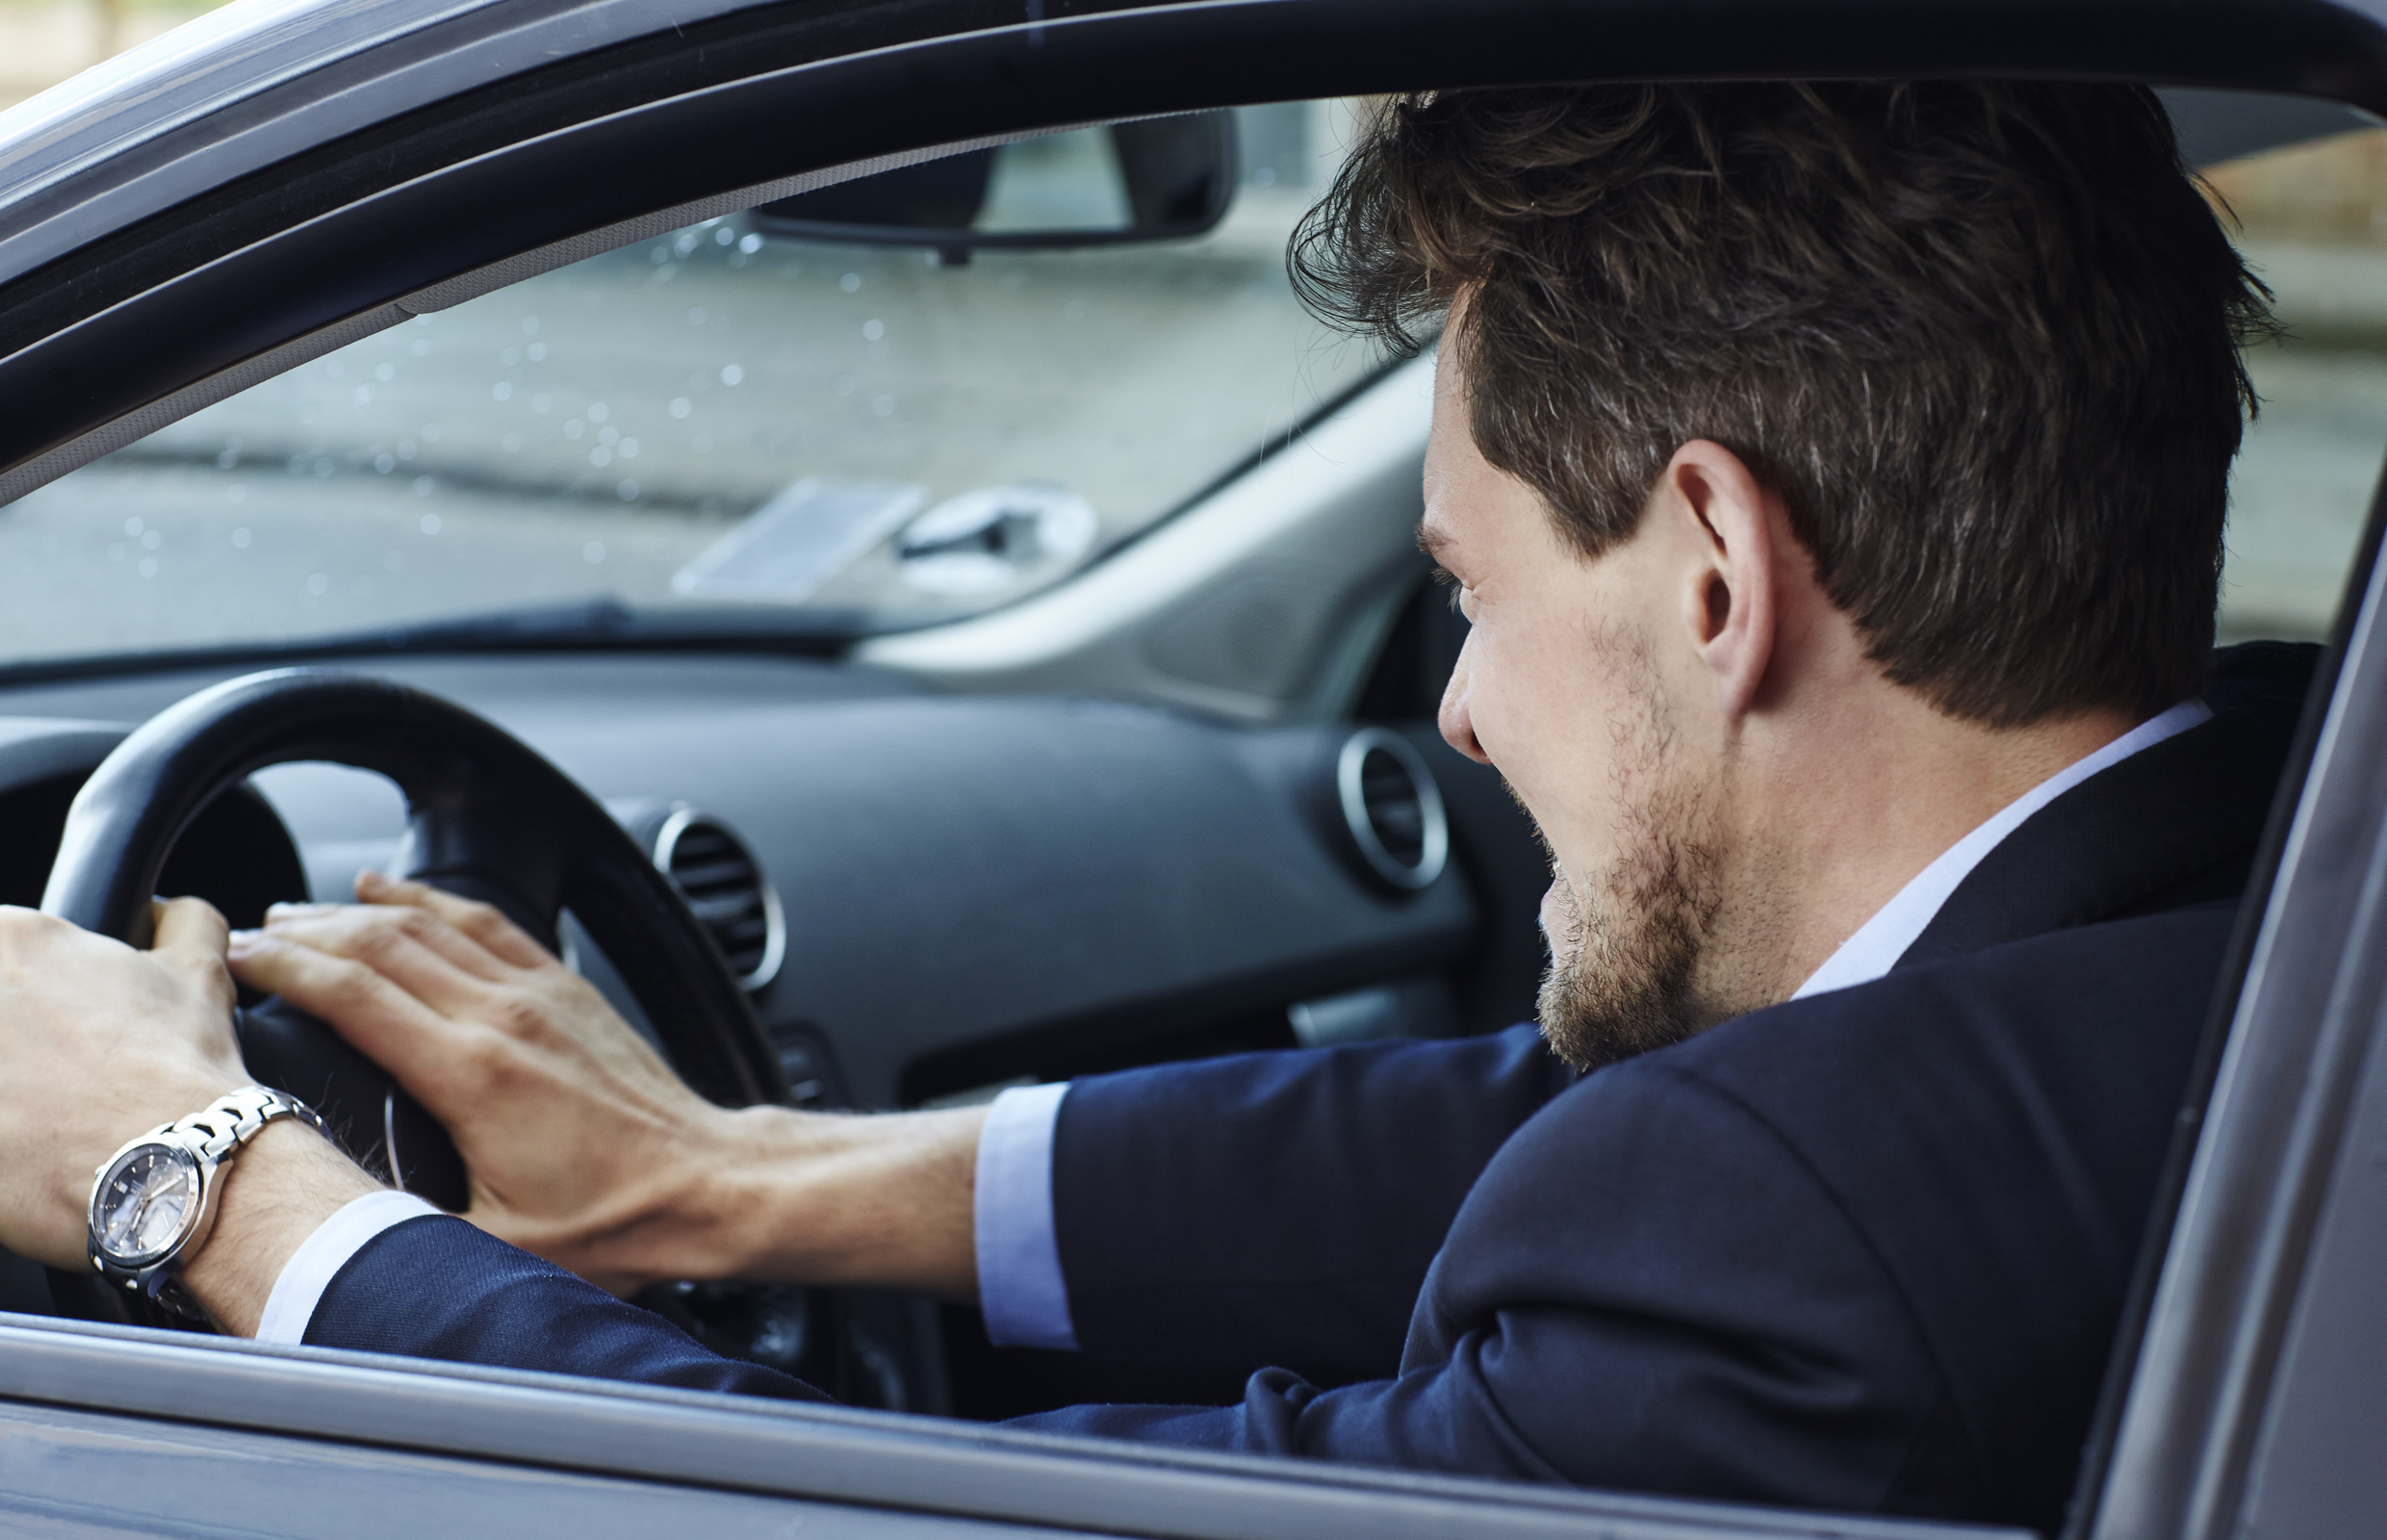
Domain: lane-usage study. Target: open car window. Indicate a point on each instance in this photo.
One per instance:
(735, 423)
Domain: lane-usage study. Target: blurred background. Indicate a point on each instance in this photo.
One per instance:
(44, 41)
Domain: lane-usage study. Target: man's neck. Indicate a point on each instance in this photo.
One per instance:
(1834, 814)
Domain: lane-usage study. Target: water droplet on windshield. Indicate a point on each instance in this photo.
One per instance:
(385, 371)
(731, 375)
(430, 524)
(681, 407)
(628, 491)
(883, 405)
(530, 325)
(593, 552)
(536, 351)
(850, 282)
(873, 331)
(501, 391)
(385, 463)
(596, 411)
(750, 244)
(319, 583)
(133, 526)
(240, 539)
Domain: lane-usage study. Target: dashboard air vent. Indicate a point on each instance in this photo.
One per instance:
(727, 890)
(1392, 807)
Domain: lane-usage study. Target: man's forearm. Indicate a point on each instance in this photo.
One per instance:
(805, 1197)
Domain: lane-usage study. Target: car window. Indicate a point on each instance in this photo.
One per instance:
(2312, 221)
(725, 423)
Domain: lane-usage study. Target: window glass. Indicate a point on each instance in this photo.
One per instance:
(2313, 226)
(737, 424)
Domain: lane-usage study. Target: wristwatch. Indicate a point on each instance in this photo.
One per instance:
(154, 1201)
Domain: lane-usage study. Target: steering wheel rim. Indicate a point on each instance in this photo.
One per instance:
(487, 816)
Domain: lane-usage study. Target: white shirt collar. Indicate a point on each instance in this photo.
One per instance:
(1879, 942)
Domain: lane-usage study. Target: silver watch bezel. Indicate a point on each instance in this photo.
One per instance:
(135, 1267)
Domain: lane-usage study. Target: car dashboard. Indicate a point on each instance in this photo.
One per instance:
(932, 896)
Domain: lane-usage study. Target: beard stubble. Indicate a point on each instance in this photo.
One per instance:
(1626, 965)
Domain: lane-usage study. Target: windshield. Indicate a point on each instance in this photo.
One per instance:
(732, 425)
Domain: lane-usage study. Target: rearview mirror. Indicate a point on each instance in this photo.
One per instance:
(1157, 179)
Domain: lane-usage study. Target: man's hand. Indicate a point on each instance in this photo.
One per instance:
(581, 1145)
(99, 1043)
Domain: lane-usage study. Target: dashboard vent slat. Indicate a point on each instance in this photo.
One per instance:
(726, 889)
(1392, 808)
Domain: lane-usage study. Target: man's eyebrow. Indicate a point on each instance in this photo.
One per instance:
(1433, 540)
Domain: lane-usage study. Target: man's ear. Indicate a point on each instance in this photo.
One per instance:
(1725, 517)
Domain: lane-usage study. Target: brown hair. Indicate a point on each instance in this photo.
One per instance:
(1981, 338)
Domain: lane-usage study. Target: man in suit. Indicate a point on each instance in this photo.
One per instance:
(1835, 480)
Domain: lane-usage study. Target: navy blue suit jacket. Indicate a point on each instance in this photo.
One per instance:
(1864, 1251)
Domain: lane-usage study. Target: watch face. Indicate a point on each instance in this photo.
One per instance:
(147, 1200)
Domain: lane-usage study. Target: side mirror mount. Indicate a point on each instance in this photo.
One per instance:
(1155, 179)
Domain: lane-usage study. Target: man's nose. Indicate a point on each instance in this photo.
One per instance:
(1458, 727)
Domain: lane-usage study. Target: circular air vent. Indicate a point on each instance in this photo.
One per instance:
(1392, 807)
(727, 892)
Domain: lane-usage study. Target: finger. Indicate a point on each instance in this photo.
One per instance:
(189, 936)
(362, 931)
(380, 1020)
(482, 922)
(389, 945)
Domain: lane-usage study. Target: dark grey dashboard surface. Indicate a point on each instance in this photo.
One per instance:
(976, 888)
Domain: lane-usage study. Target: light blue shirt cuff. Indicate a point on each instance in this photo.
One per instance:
(1019, 1284)
(291, 1307)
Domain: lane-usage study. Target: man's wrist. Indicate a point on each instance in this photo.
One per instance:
(282, 1185)
(881, 1199)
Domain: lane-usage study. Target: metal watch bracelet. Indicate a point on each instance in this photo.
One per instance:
(213, 1135)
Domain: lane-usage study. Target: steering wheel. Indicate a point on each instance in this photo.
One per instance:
(487, 818)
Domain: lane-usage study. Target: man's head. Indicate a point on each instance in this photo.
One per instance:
(1774, 413)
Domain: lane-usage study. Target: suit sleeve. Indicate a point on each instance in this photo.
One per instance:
(1648, 1290)
(1278, 1208)
(435, 1287)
